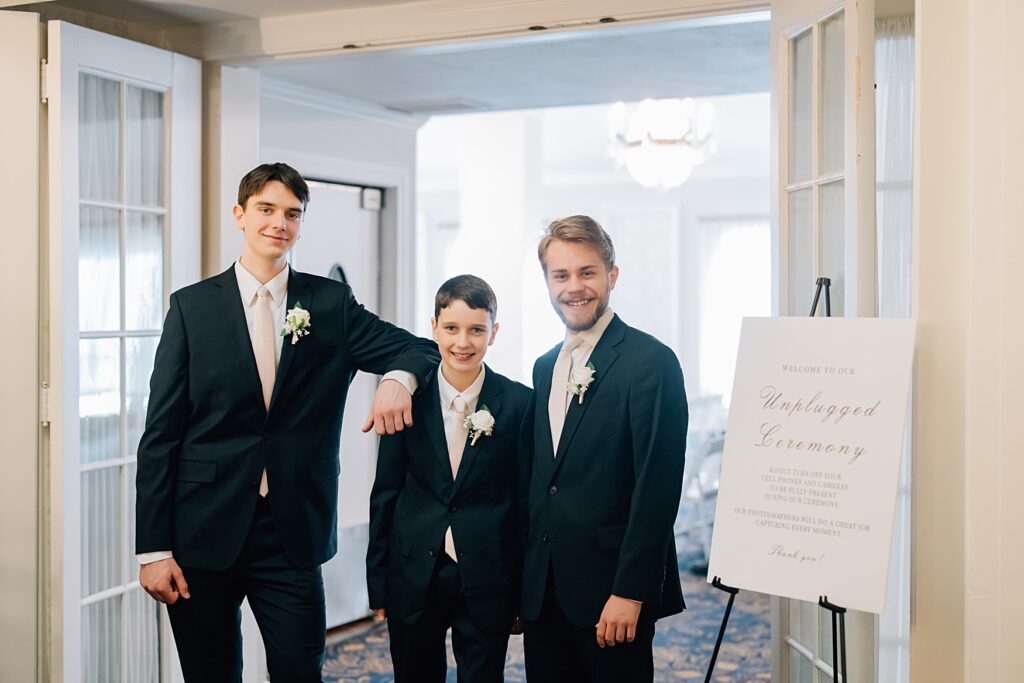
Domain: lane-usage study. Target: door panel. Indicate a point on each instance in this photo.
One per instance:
(822, 70)
(340, 239)
(123, 233)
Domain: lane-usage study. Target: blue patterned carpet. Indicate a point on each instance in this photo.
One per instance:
(682, 644)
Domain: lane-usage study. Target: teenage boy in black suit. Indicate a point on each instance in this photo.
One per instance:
(237, 484)
(610, 431)
(445, 517)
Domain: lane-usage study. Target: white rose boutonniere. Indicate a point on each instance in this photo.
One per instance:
(296, 323)
(580, 379)
(479, 423)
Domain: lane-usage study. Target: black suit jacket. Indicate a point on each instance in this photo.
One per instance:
(414, 501)
(208, 435)
(601, 512)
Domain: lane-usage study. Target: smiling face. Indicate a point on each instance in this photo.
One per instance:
(270, 221)
(579, 283)
(462, 335)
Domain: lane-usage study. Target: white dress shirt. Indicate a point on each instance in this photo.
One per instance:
(587, 340)
(248, 286)
(448, 394)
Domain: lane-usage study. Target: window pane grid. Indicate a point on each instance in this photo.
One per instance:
(806, 123)
(122, 170)
(814, 198)
(140, 208)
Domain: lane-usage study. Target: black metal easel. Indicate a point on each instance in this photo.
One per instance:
(838, 613)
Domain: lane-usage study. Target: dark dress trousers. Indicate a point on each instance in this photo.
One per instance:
(415, 500)
(208, 438)
(601, 511)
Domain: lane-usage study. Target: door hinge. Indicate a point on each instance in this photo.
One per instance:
(43, 82)
(44, 404)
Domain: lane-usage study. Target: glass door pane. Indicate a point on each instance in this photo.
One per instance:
(801, 252)
(831, 249)
(121, 275)
(832, 114)
(801, 105)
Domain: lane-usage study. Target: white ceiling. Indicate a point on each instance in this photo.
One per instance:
(698, 58)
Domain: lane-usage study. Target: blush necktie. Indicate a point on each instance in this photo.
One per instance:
(558, 399)
(456, 445)
(263, 346)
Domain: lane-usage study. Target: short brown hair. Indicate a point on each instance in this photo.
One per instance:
(257, 178)
(471, 290)
(579, 229)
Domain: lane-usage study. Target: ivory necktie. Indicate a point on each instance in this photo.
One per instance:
(456, 444)
(558, 399)
(263, 346)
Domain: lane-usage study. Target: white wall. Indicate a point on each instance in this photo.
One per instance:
(19, 359)
(509, 174)
(968, 548)
(306, 129)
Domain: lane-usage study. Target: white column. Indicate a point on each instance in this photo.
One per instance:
(231, 104)
(499, 222)
(967, 547)
(19, 363)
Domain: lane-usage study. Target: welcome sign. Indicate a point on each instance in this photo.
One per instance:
(811, 462)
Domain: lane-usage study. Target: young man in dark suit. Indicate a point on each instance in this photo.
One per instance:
(237, 481)
(610, 433)
(445, 511)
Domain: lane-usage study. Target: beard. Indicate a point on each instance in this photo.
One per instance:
(579, 324)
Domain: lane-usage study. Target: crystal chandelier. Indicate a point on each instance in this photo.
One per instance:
(660, 141)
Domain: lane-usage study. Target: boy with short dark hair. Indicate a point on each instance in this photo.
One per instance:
(445, 542)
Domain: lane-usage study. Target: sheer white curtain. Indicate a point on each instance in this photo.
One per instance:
(894, 118)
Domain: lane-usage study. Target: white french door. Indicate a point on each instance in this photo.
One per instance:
(124, 221)
(824, 149)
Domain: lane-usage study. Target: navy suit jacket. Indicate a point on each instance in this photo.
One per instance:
(601, 512)
(414, 500)
(209, 436)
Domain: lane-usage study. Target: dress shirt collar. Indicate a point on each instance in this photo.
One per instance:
(591, 336)
(248, 285)
(470, 395)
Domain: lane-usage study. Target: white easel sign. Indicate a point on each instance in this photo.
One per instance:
(811, 461)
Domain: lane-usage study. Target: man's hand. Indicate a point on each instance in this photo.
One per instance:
(517, 626)
(392, 408)
(164, 581)
(379, 615)
(618, 622)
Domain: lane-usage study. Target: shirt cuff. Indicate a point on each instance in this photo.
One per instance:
(403, 377)
(156, 556)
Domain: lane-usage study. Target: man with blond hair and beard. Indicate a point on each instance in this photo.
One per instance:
(609, 442)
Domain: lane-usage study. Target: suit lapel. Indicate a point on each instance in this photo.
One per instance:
(299, 291)
(430, 413)
(603, 358)
(490, 396)
(542, 422)
(229, 301)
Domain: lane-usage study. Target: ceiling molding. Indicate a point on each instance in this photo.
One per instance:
(431, 22)
(348, 107)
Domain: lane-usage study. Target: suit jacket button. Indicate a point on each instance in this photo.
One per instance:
(452, 508)
(544, 538)
(553, 490)
(432, 552)
(266, 437)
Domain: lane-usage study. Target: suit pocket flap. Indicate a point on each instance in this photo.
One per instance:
(322, 470)
(199, 471)
(610, 536)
